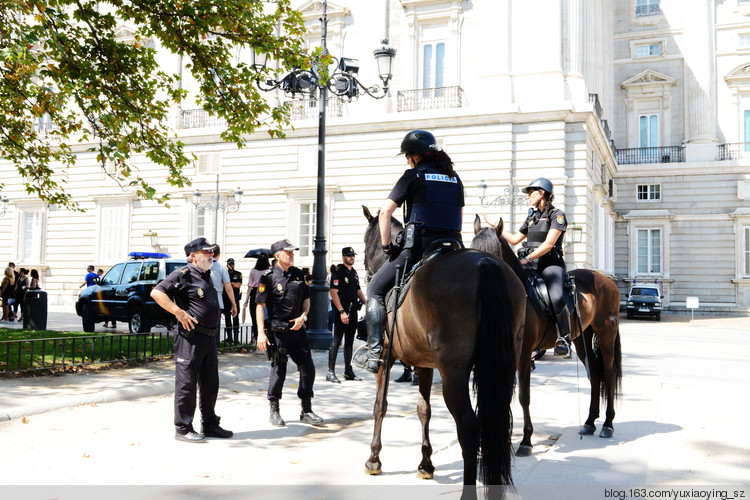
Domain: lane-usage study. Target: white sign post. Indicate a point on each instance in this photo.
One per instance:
(692, 303)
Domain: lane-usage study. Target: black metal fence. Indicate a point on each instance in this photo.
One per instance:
(62, 352)
(666, 154)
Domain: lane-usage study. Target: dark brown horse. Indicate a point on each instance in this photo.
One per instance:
(599, 305)
(464, 311)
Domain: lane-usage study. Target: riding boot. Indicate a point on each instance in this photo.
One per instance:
(333, 353)
(331, 377)
(562, 347)
(307, 415)
(406, 376)
(275, 417)
(375, 319)
(348, 372)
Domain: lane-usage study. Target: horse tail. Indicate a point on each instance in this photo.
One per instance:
(597, 363)
(494, 374)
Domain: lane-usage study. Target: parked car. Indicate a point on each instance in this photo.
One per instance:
(644, 299)
(124, 293)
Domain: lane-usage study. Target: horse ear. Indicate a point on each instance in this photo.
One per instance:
(499, 228)
(367, 213)
(477, 224)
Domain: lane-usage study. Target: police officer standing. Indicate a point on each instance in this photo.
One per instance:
(282, 289)
(345, 291)
(232, 323)
(190, 296)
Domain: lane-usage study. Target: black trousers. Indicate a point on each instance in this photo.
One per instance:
(553, 277)
(345, 332)
(297, 344)
(196, 364)
(251, 312)
(232, 324)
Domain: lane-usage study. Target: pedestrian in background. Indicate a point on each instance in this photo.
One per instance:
(190, 296)
(231, 319)
(22, 284)
(221, 282)
(88, 280)
(7, 293)
(347, 298)
(252, 289)
(283, 290)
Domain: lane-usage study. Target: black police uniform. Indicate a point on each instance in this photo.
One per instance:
(552, 264)
(194, 351)
(232, 323)
(346, 282)
(435, 200)
(283, 293)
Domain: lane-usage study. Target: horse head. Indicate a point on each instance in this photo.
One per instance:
(374, 255)
(491, 240)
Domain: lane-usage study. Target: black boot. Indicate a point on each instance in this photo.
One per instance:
(307, 416)
(331, 377)
(275, 417)
(348, 372)
(406, 376)
(562, 347)
(375, 319)
(333, 353)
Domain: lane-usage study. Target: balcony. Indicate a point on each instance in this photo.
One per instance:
(666, 154)
(647, 10)
(734, 151)
(424, 99)
(309, 108)
(199, 118)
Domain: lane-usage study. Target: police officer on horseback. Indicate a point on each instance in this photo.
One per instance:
(433, 195)
(544, 229)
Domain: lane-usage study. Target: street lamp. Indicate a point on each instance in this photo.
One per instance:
(3, 205)
(151, 239)
(511, 197)
(217, 205)
(342, 83)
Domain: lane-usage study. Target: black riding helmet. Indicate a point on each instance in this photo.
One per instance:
(539, 183)
(419, 142)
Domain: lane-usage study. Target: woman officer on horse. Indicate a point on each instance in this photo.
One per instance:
(544, 229)
(434, 197)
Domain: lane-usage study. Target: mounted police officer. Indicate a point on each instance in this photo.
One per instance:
(544, 230)
(283, 290)
(433, 195)
(190, 296)
(347, 297)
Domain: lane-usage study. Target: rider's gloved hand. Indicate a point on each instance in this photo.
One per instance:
(388, 248)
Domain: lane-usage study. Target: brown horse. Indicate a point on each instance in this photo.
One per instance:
(464, 311)
(599, 305)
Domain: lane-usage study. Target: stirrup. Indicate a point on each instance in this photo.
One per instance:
(562, 347)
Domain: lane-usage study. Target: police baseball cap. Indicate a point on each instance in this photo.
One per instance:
(282, 245)
(198, 245)
(348, 252)
(230, 261)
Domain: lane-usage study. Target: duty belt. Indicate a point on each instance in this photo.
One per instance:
(203, 330)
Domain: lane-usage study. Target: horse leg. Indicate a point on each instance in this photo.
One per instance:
(373, 466)
(456, 396)
(524, 398)
(589, 426)
(425, 470)
(610, 354)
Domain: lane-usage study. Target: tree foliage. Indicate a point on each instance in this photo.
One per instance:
(66, 78)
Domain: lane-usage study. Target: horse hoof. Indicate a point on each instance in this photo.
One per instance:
(587, 430)
(523, 451)
(423, 474)
(373, 469)
(606, 432)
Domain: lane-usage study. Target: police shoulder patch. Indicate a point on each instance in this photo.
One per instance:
(261, 288)
(560, 219)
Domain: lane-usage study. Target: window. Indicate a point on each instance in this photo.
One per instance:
(113, 233)
(433, 63)
(649, 251)
(744, 41)
(743, 2)
(746, 129)
(648, 130)
(208, 163)
(30, 241)
(649, 192)
(113, 275)
(132, 270)
(746, 251)
(648, 49)
(307, 217)
(206, 223)
(645, 8)
(149, 271)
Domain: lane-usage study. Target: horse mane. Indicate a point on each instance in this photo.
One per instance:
(374, 255)
(491, 241)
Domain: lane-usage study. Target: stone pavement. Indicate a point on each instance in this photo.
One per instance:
(680, 423)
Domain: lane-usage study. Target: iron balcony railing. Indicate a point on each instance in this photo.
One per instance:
(59, 353)
(424, 99)
(309, 108)
(199, 118)
(666, 154)
(597, 105)
(734, 151)
(653, 9)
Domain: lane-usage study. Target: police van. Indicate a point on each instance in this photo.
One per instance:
(644, 299)
(124, 293)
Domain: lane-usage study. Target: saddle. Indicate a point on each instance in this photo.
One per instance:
(435, 250)
(536, 290)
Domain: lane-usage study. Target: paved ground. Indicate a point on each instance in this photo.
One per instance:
(681, 423)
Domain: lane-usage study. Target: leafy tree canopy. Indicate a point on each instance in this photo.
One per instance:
(65, 78)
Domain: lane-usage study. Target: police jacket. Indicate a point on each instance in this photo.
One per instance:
(536, 227)
(346, 281)
(193, 291)
(431, 197)
(283, 292)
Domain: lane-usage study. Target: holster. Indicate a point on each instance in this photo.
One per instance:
(412, 234)
(280, 326)
(274, 353)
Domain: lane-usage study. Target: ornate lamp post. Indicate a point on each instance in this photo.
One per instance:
(343, 83)
(511, 198)
(217, 205)
(3, 205)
